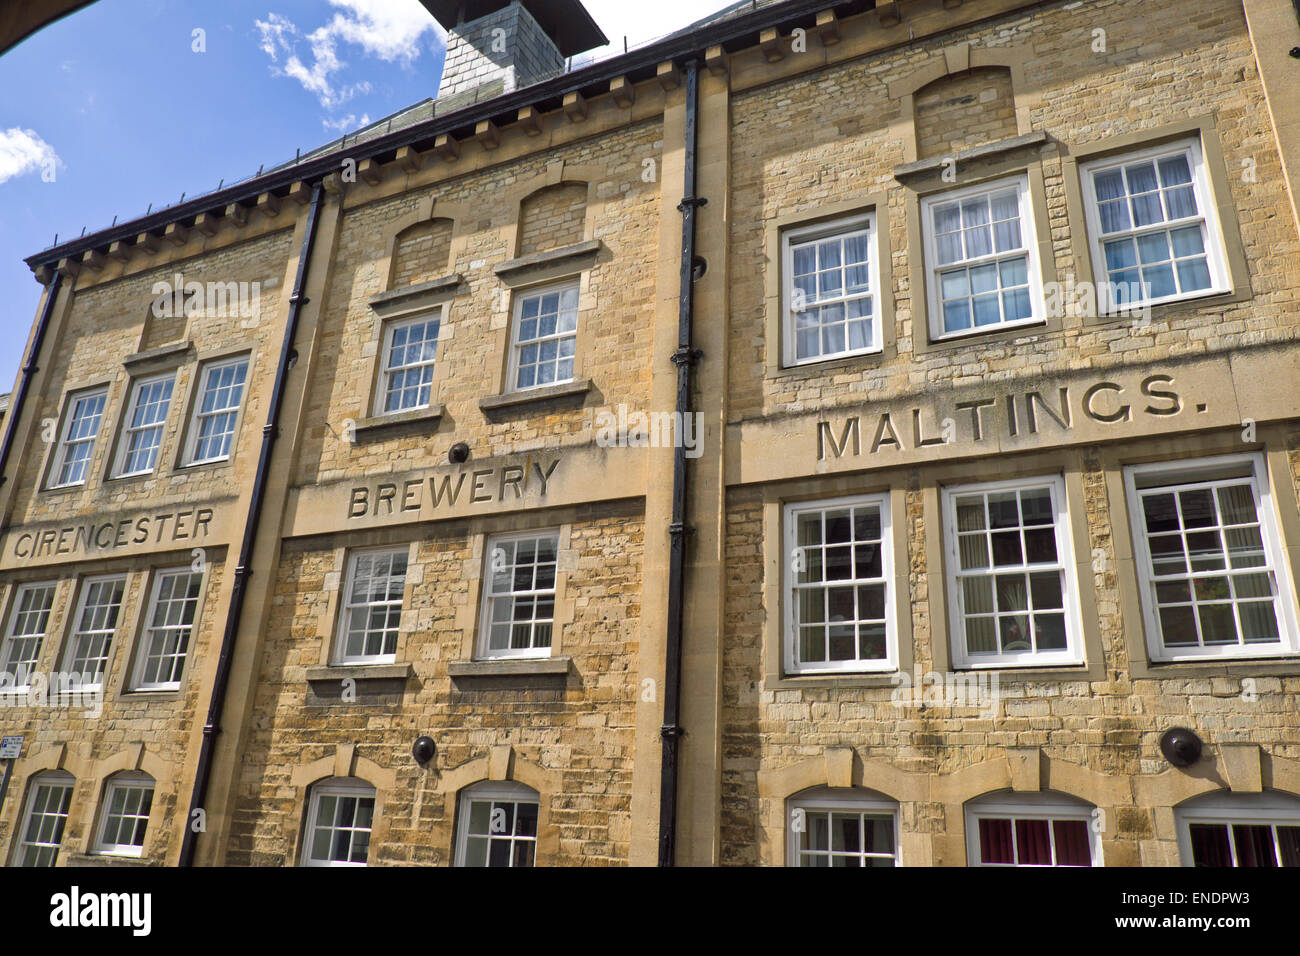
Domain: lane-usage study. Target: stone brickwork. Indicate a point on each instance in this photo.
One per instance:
(963, 111)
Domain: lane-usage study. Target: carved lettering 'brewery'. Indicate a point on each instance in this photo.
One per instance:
(447, 491)
(1011, 416)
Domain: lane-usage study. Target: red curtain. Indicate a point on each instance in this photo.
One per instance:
(1034, 842)
(1072, 848)
(995, 841)
(1210, 844)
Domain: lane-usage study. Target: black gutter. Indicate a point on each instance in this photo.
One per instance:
(29, 370)
(735, 34)
(684, 358)
(270, 431)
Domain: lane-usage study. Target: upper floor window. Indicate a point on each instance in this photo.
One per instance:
(95, 623)
(831, 290)
(46, 815)
(839, 586)
(983, 261)
(372, 607)
(168, 628)
(1031, 829)
(1210, 562)
(338, 828)
(1240, 830)
(498, 826)
(410, 348)
(143, 432)
(220, 393)
(838, 828)
(545, 336)
(1155, 237)
(1010, 576)
(128, 800)
(29, 619)
(80, 428)
(519, 595)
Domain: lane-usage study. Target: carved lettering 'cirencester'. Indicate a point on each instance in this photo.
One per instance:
(95, 538)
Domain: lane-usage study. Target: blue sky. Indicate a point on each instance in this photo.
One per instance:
(118, 109)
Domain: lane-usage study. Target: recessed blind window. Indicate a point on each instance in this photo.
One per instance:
(95, 624)
(409, 352)
(220, 396)
(546, 336)
(520, 595)
(47, 815)
(28, 622)
(830, 294)
(839, 586)
(78, 441)
(143, 433)
(170, 623)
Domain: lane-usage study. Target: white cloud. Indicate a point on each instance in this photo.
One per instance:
(346, 124)
(390, 30)
(23, 151)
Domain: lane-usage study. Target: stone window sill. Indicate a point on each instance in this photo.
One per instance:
(105, 859)
(511, 667)
(414, 296)
(514, 268)
(333, 673)
(535, 395)
(378, 425)
(987, 150)
(175, 350)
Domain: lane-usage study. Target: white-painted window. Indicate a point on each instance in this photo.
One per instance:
(981, 250)
(168, 627)
(839, 586)
(519, 595)
(1012, 595)
(341, 817)
(841, 828)
(1239, 829)
(29, 620)
(48, 802)
(1032, 829)
(128, 799)
(1151, 219)
(410, 347)
(498, 826)
(94, 625)
(142, 431)
(217, 411)
(371, 616)
(1210, 561)
(77, 440)
(832, 290)
(545, 336)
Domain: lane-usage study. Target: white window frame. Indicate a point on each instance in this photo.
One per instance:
(1073, 653)
(124, 440)
(790, 628)
(1044, 805)
(1202, 189)
(826, 800)
(197, 413)
(846, 228)
(502, 792)
(10, 638)
(69, 415)
(75, 632)
(147, 629)
(44, 781)
(485, 601)
(346, 607)
(516, 321)
(123, 781)
(1270, 808)
(338, 788)
(386, 370)
(1029, 242)
(1186, 470)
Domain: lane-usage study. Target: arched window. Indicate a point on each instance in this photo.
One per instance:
(497, 825)
(124, 816)
(1239, 829)
(841, 828)
(340, 815)
(48, 799)
(1032, 829)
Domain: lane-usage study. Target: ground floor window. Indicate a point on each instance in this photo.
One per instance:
(338, 827)
(1249, 829)
(1031, 829)
(44, 820)
(498, 826)
(842, 828)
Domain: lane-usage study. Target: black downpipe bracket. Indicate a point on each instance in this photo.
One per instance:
(270, 432)
(29, 369)
(684, 358)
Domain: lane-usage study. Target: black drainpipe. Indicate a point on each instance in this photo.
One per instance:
(29, 369)
(684, 358)
(242, 570)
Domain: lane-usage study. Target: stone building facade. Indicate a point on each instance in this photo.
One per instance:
(992, 455)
